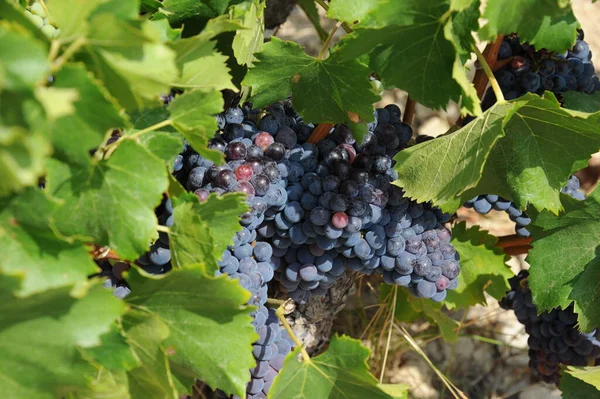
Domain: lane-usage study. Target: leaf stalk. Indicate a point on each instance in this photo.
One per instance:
(490, 75)
(280, 314)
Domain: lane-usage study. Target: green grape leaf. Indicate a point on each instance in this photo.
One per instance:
(200, 65)
(164, 142)
(322, 90)
(197, 321)
(31, 249)
(460, 5)
(579, 383)
(418, 31)
(22, 155)
(350, 10)
(483, 267)
(583, 102)
(40, 357)
(460, 33)
(124, 188)
(198, 127)
(72, 16)
(461, 158)
(180, 10)
(56, 102)
(590, 375)
(339, 372)
(249, 40)
(95, 114)
(202, 231)
(129, 57)
(146, 333)
(546, 24)
(115, 352)
(124, 9)
(515, 149)
(564, 259)
(105, 384)
(16, 47)
(396, 391)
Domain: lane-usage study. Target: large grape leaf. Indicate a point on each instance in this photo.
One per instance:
(339, 372)
(483, 267)
(200, 65)
(24, 60)
(565, 265)
(95, 113)
(146, 333)
(524, 150)
(193, 116)
(164, 142)
(202, 231)
(250, 38)
(131, 60)
(411, 47)
(114, 353)
(39, 351)
(72, 16)
(546, 24)
(211, 332)
(33, 252)
(330, 90)
(112, 201)
(579, 101)
(580, 382)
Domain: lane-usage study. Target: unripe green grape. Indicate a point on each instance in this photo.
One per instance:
(377, 86)
(57, 32)
(38, 21)
(49, 31)
(38, 10)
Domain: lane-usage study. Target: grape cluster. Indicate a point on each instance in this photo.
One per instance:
(317, 210)
(553, 336)
(37, 14)
(483, 204)
(532, 71)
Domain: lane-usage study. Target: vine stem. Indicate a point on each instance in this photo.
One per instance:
(327, 42)
(490, 75)
(113, 146)
(277, 302)
(491, 55)
(514, 244)
(320, 132)
(72, 49)
(288, 328)
(389, 337)
(409, 111)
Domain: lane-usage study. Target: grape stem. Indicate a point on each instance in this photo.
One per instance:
(163, 229)
(320, 132)
(68, 53)
(316, 23)
(43, 4)
(389, 337)
(515, 244)
(280, 314)
(327, 42)
(325, 7)
(490, 75)
(276, 302)
(409, 111)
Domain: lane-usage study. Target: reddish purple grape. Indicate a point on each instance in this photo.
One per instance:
(202, 194)
(339, 220)
(350, 150)
(244, 172)
(255, 163)
(263, 140)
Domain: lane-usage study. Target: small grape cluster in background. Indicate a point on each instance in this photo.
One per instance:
(554, 339)
(37, 14)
